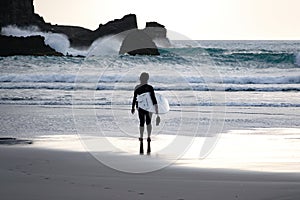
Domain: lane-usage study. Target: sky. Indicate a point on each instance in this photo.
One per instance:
(194, 19)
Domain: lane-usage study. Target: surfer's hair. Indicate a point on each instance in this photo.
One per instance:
(144, 77)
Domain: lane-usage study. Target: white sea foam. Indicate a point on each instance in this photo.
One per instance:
(59, 42)
(263, 80)
(69, 82)
(71, 78)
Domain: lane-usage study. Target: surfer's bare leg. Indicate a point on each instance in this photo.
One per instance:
(141, 139)
(142, 131)
(149, 130)
(148, 122)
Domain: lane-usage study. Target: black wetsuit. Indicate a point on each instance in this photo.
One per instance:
(140, 89)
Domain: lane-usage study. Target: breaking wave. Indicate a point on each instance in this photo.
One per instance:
(60, 42)
(72, 78)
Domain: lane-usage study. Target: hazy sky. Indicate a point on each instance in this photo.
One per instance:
(196, 19)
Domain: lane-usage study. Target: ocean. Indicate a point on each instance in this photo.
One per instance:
(231, 85)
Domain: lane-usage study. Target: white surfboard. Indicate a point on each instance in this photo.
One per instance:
(145, 102)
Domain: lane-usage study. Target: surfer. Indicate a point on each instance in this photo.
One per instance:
(144, 116)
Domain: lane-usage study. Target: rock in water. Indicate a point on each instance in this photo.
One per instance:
(158, 33)
(33, 45)
(137, 42)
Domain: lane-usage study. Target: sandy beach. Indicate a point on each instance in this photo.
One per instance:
(59, 168)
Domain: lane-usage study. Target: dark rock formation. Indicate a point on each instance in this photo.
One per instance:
(128, 22)
(33, 45)
(158, 33)
(82, 38)
(21, 13)
(79, 37)
(137, 42)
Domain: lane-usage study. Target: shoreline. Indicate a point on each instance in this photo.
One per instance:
(232, 151)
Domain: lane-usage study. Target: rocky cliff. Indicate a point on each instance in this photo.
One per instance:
(21, 13)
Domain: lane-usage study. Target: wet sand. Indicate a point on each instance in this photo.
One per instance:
(61, 169)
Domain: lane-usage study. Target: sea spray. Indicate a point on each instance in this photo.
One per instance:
(109, 45)
(57, 41)
(13, 30)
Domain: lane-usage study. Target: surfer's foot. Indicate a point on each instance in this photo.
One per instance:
(141, 146)
(149, 147)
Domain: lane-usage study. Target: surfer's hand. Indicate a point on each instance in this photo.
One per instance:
(132, 111)
(157, 120)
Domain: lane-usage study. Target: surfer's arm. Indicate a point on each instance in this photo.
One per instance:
(156, 109)
(133, 103)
